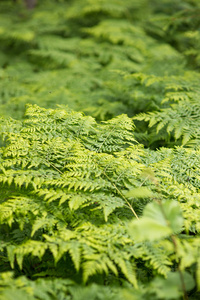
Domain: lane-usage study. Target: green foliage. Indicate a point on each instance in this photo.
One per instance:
(99, 184)
(71, 53)
(69, 190)
(177, 119)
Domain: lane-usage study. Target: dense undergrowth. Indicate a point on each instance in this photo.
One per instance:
(100, 150)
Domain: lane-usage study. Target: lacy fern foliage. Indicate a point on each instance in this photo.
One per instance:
(69, 194)
(99, 184)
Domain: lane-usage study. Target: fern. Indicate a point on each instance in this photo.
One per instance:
(88, 208)
(55, 65)
(177, 122)
(64, 178)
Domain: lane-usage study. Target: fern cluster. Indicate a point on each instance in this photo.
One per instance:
(70, 189)
(176, 121)
(70, 53)
(99, 150)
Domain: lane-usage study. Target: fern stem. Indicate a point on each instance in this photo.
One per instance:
(109, 133)
(54, 167)
(120, 193)
(141, 184)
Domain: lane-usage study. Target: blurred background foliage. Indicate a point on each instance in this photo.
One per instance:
(79, 53)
